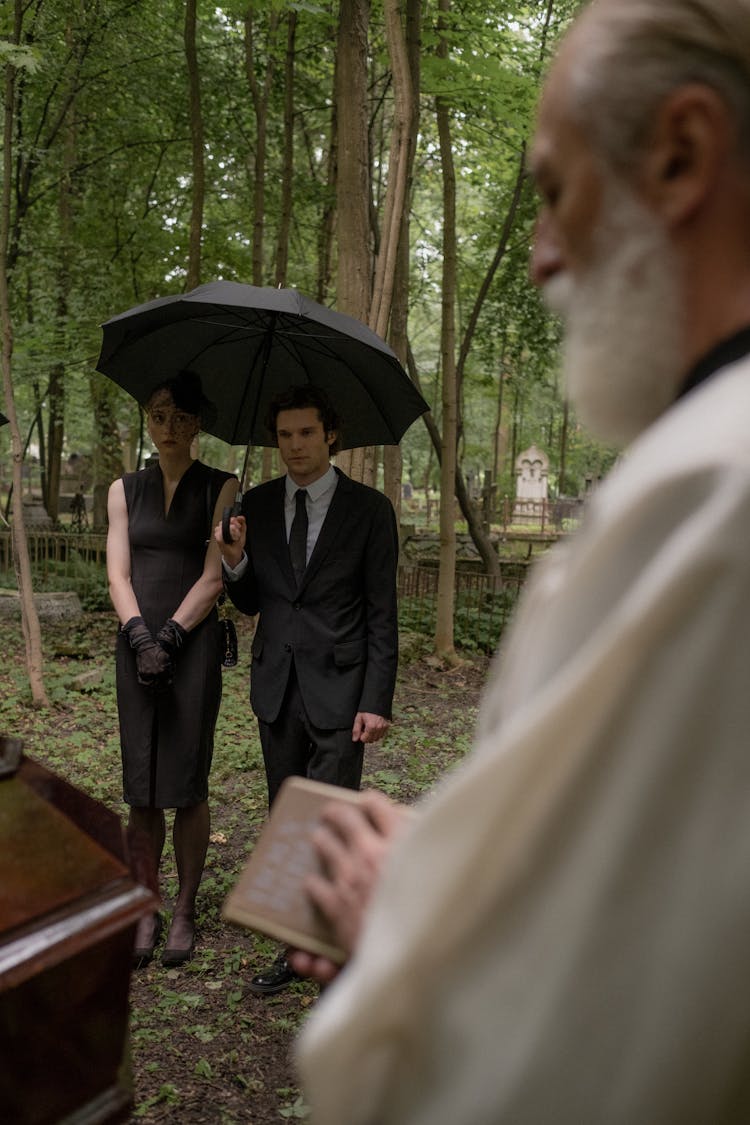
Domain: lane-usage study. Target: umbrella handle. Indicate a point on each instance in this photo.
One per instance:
(234, 510)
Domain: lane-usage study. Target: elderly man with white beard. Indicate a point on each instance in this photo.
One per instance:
(561, 932)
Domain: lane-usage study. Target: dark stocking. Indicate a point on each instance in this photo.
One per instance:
(151, 824)
(191, 830)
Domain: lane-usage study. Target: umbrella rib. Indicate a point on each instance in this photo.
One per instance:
(260, 356)
(332, 353)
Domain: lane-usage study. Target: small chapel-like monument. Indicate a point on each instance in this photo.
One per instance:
(532, 472)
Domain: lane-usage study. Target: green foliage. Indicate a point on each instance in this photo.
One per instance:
(104, 131)
(23, 58)
(478, 621)
(203, 1069)
(167, 1095)
(83, 577)
(296, 1110)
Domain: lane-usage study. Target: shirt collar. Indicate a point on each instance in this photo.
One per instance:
(314, 490)
(721, 355)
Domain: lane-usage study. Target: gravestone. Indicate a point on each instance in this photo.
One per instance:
(36, 516)
(61, 606)
(532, 472)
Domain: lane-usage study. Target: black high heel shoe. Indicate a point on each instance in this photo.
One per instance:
(174, 956)
(144, 954)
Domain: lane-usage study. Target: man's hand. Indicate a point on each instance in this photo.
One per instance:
(368, 727)
(310, 965)
(232, 552)
(352, 843)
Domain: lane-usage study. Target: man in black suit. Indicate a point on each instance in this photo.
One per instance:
(314, 554)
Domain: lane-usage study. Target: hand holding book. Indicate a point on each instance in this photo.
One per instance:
(314, 867)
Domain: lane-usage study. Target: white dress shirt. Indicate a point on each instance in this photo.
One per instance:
(318, 501)
(319, 496)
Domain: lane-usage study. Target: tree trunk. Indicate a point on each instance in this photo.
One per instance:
(363, 463)
(38, 424)
(260, 96)
(400, 161)
(353, 181)
(108, 460)
(481, 541)
(287, 169)
(196, 132)
(516, 427)
(444, 643)
(399, 339)
(328, 221)
(392, 460)
(510, 216)
(55, 433)
(562, 485)
(498, 418)
(56, 390)
(29, 617)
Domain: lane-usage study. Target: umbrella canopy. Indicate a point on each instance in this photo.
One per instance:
(248, 343)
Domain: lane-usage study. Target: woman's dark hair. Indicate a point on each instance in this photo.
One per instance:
(187, 394)
(300, 397)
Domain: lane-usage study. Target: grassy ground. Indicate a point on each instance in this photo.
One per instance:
(205, 1050)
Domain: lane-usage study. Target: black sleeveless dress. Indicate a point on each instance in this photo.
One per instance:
(167, 737)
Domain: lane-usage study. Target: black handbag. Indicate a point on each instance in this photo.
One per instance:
(228, 642)
(229, 655)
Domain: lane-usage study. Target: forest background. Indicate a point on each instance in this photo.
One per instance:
(371, 155)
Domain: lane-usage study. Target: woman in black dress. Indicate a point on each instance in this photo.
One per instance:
(164, 574)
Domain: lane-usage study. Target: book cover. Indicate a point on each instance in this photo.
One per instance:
(269, 895)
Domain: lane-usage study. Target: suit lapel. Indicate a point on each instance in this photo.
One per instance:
(339, 511)
(274, 529)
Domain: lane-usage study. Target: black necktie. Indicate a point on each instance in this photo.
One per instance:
(298, 536)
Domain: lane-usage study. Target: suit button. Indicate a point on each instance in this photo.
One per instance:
(297, 605)
(287, 648)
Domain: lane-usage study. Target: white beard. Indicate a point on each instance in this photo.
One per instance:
(622, 361)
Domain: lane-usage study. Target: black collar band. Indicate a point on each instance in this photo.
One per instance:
(726, 352)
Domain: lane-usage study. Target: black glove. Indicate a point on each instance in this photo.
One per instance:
(153, 664)
(171, 637)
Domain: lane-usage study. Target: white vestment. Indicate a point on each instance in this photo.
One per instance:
(563, 935)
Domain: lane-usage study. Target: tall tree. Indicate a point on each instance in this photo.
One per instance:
(328, 220)
(56, 387)
(29, 617)
(198, 142)
(260, 92)
(444, 643)
(399, 327)
(287, 168)
(353, 285)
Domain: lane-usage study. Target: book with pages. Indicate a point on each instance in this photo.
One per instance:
(269, 895)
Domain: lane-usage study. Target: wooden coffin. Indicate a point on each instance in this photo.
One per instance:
(72, 888)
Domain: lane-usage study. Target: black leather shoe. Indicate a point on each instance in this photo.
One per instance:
(273, 979)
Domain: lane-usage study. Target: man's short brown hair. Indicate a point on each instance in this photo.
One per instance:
(301, 397)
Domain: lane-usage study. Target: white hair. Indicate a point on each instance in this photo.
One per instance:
(638, 51)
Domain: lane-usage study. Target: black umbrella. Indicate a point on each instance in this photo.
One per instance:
(247, 344)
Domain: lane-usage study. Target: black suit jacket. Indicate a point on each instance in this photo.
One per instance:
(340, 626)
